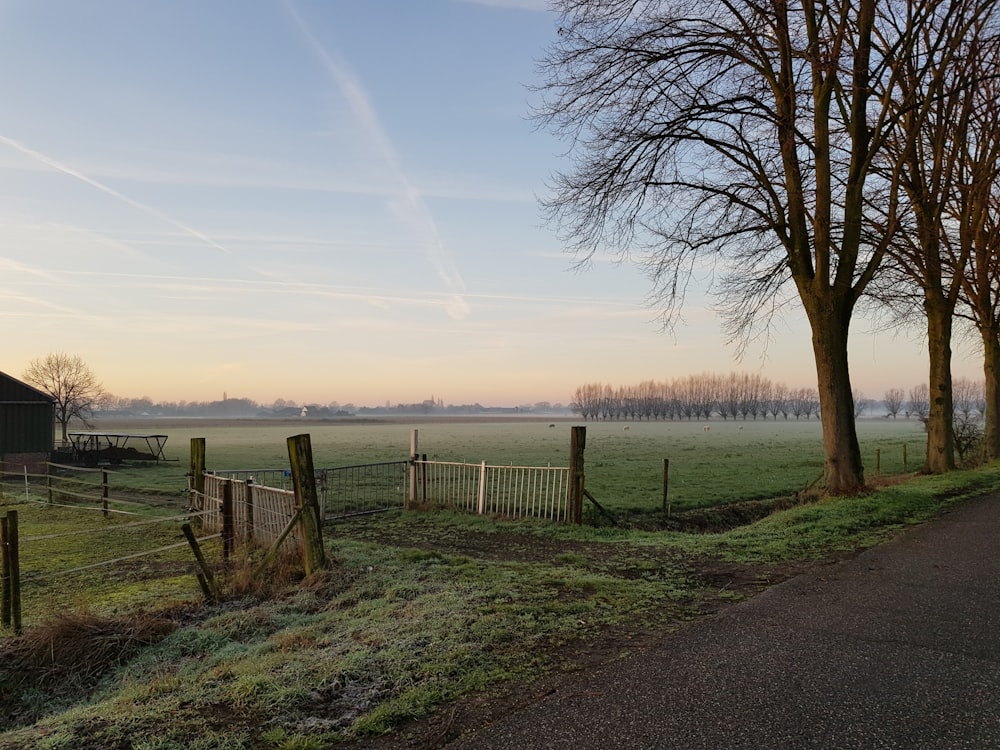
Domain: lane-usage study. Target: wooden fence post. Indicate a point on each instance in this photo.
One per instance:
(205, 578)
(104, 491)
(5, 609)
(412, 500)
(878, 462)
(666, 485)
(196, 471)
(904, 455)
(228, 532)
(304, 483)
(11, 573)
(577, 444)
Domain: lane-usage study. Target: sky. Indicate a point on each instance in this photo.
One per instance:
(324, 201)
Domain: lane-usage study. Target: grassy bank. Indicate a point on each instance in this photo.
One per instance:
(418, 610)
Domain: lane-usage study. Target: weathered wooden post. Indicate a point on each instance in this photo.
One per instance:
(878, 462)
(196, 472)
(904, 455)
(12, 573)
(205, 578)
(577, 444)
(304, 483)
(104, 491)
(5, 584)
(666, 485)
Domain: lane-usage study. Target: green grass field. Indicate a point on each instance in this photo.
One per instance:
(731, 461)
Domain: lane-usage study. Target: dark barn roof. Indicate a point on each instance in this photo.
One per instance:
(13, 391)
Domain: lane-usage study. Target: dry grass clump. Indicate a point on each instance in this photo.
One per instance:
(247, 575)
(66, 657)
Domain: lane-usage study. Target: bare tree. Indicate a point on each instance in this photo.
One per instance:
(738, 130)
(779, 401)
(966, 397)
(919, 403)
(893, 399)
(936, 81)
(860, 402)
(976, 211)
(71, 383)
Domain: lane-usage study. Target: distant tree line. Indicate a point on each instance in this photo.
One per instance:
(751, 396)
(704, 396)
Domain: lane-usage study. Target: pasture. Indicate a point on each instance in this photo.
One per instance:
(731, 461)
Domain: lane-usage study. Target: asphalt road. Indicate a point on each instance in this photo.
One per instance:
(896, 648)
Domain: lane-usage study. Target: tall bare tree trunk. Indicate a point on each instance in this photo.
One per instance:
(991, 370)
(830, 322)
(940, 433)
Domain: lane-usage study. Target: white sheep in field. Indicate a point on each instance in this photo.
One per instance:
(625, 428)
(706, 428)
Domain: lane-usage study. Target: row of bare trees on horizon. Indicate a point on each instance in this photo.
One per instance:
(752, 396)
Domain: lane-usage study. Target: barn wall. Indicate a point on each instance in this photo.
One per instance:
(27, 428)
(27, 422)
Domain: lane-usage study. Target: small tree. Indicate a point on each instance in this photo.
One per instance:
(894, 398)
(860, 403)
(71, 383)
(919, 403)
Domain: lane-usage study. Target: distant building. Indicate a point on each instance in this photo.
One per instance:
(27, 427)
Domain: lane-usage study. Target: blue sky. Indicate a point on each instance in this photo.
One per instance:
(320, 200)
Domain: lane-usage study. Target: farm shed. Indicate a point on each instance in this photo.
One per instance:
(27, 427)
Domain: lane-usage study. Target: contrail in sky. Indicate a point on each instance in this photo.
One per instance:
(69, 171)
(413, 209)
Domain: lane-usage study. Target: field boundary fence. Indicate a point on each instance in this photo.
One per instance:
(246, 512)
(511, 491)
(343, 490)
(129, 541)
(553, 493)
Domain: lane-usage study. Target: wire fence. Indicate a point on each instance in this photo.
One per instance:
(343, 490)
(80, 554)
(84, 543)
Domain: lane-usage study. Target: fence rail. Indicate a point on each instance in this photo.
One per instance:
(512, 491)
(259, 513)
